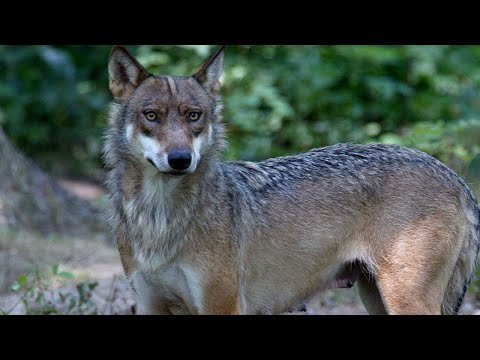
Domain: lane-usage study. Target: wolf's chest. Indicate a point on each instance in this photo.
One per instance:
(155, 230)
(176, 286)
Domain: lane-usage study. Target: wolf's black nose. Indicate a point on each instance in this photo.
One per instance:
(179, 159)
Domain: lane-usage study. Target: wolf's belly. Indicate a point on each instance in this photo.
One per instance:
(276, 285)
(290, 298)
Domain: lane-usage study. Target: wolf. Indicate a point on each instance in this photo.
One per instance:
(197, 235)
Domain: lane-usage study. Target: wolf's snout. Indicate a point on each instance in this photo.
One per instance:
(179, 159)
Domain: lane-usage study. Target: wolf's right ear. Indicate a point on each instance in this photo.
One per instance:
(125, 73)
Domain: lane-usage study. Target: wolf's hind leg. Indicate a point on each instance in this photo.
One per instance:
(413, 272)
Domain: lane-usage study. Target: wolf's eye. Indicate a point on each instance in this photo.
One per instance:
(151, 115)
(194, 116)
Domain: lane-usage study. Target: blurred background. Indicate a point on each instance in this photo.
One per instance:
(278, 100)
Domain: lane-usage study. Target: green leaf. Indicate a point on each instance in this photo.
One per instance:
(66, 275)
(19, 282)
(55, 269)
(22, 279)
(81, 291)
(92, 285)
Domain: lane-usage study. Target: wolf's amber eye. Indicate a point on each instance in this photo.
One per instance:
(194, 115)
(151, 115)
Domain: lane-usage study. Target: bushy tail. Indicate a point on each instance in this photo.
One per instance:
(464, 268)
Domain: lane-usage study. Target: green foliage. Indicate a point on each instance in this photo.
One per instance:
(52, 103)
(278, 99)
(39, 298)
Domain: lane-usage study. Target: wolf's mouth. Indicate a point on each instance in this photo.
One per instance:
(151, 162)
(175, 173)
(170, 173)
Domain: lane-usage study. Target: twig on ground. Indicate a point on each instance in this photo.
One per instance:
(111, 294)
(19, 300)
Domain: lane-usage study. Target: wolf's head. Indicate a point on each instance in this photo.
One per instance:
(166, 123)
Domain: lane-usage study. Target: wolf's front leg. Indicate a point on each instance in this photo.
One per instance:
(148, 299)
(221, 298)
(160, 308)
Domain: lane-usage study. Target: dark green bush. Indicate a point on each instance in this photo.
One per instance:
(278, 99)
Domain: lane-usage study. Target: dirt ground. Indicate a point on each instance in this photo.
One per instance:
(93, 261)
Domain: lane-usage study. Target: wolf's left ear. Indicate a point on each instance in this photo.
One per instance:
(125, 73)
(208, 74)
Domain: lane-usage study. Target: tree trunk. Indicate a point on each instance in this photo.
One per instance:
(31, 200)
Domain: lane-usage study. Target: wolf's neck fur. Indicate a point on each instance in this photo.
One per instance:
(160, 214)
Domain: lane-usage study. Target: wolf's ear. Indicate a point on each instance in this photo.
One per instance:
(208, 74)
(125, 73)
